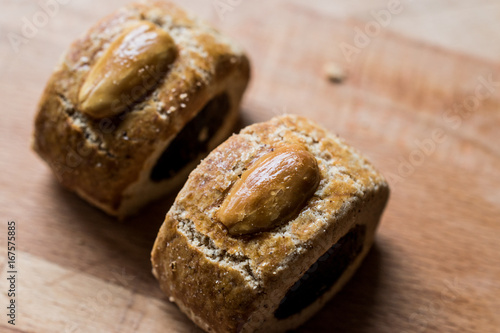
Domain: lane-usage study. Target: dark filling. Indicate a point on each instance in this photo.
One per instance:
(193, 139)
(323, 274)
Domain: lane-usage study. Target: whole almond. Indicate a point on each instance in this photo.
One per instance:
(132, 65)
(273, 190)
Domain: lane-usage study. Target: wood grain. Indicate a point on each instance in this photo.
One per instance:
(409, 102)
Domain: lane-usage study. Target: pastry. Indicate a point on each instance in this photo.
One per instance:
(136, 102)
(268, 227)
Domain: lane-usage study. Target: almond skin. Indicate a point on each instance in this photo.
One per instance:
(273, 190)
(132, 65)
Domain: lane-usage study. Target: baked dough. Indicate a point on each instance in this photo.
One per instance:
(122, 162)
(270, 281)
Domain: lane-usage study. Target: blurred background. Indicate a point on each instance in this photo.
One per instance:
(414, 85)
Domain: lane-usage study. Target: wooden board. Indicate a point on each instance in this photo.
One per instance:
(414, 101)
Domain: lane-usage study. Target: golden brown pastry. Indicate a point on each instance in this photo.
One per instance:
(268, 227)
(136, 102)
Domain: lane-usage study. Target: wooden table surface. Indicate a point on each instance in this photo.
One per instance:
(421, 99)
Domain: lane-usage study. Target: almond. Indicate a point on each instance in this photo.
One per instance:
(272, 191)
(132, 65)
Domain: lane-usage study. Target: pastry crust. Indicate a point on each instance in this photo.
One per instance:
(109, 161)
(226, 283)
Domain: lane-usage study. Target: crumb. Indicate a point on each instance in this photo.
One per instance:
(334, 72)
